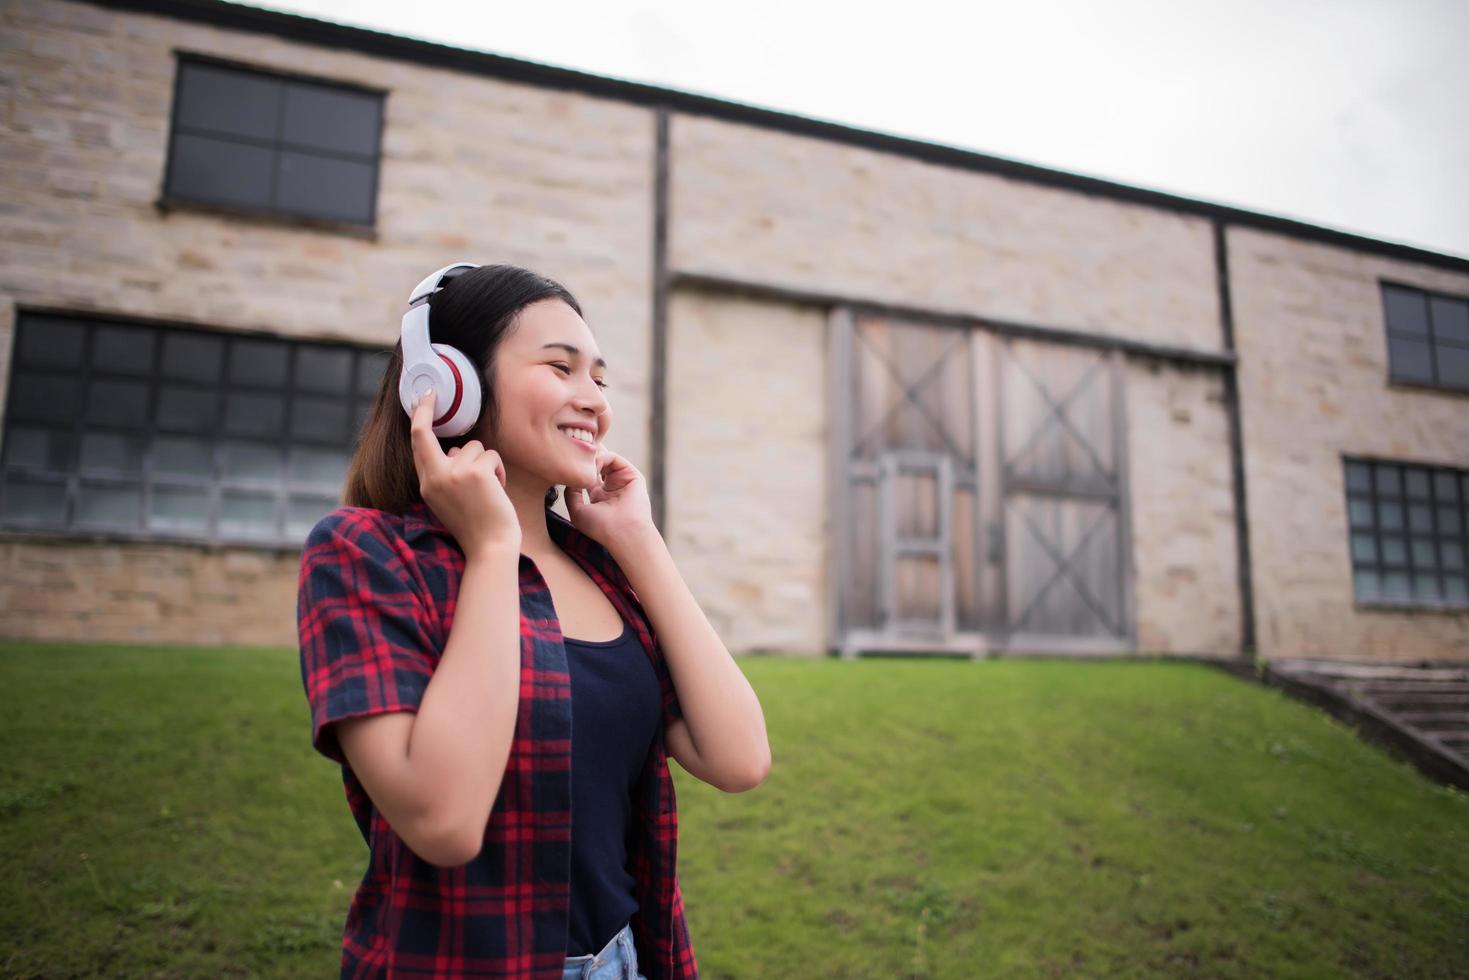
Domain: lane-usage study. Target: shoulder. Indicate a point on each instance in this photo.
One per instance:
(356, 528)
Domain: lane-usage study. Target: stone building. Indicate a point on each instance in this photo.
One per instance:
(888, 395)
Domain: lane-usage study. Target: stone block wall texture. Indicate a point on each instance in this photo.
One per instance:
(472, 168)
(1314, 388)
(1185, 562)
(805, 213)
(747, 467)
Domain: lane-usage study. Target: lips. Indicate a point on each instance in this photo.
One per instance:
(588, 444)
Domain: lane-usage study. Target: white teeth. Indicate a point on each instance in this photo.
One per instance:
(581, 434)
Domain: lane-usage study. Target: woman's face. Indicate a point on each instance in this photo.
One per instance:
(542, 386)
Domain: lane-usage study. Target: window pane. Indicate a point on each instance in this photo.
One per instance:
(1453, 367)
(50, 342)
(1394, 552)
(187, 409)
(1395, 585)
(192, 357)
(177, 456)
(258, 362)
(1390, 516)
(1387, 481)
(1423, 553)
(228, 101)
(1420, 517)
(323, 187)
(1450, 319)
(44, 397)
(318, 467)
(48, 449)
(1453, 554)
(34, 501)
(331, 119)
(250, 461)
(1363, 549)
(1448, 520)
(220, 172)
(123, 350)
(319, 418)
(360, 416)
(1410, 360)
(110, 507)
(324, 369)
(370, 368)
(248, 414)
(1425, 586)
(1445, 487)
(304, 512)
(1367, 583)
(1456, 589)
(118, 403)
(112, 452)
(247, 515)
(183, 510)
(1415, 480)
(1406, 310)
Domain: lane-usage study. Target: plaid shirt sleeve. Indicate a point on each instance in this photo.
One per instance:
(366, 646)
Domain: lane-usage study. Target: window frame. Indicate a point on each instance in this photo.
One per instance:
(168, 200)
(145, 478)
(1435, 536)
(1388, 332)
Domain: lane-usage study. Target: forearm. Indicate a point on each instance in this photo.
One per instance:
(723, 714)
(461, 737)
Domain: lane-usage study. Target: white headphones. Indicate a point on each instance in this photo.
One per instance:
(445, 369)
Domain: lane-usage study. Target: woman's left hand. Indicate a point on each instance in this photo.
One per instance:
(619, 506)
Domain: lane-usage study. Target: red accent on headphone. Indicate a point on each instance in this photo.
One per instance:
(458, 391)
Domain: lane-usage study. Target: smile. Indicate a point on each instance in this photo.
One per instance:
(582, 438)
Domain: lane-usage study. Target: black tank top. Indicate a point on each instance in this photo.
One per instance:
(616, 707)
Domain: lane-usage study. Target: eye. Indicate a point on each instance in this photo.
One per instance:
(567, 368)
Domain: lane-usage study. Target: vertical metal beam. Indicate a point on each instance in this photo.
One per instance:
(658, 379)
(1236, 445)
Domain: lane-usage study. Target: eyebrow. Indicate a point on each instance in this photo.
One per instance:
(576, 351)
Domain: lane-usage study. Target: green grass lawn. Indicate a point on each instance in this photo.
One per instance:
(165, 816)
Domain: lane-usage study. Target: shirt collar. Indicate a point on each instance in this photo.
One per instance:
(419, 520)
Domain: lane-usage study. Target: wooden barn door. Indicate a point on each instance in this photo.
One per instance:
(905, 491)
(978, 492)
(1063, 497)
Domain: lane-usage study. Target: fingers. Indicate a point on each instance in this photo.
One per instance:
(427, 453)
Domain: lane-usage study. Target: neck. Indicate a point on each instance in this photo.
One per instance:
(527, 494)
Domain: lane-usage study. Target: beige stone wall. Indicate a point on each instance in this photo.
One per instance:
(1313, 379)
(472, 168)
(746, 467)
(1185, 561)
(804, 213)
(84, 592)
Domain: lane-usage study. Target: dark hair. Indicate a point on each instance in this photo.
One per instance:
(474, 312)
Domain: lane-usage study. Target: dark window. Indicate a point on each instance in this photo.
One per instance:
(274, 144)
(175, 433)
(1408, 527)
(1427, 337)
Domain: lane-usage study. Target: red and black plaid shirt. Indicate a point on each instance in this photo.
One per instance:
(376, 602)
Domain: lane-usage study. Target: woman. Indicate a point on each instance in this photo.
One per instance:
(501, 686)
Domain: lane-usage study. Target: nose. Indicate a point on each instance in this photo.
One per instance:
(591, 398)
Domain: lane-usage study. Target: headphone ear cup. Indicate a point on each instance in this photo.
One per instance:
(464, 402)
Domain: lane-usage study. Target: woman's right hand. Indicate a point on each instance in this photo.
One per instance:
(465, 487)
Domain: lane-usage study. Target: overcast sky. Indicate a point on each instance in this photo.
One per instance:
(1352, 114)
